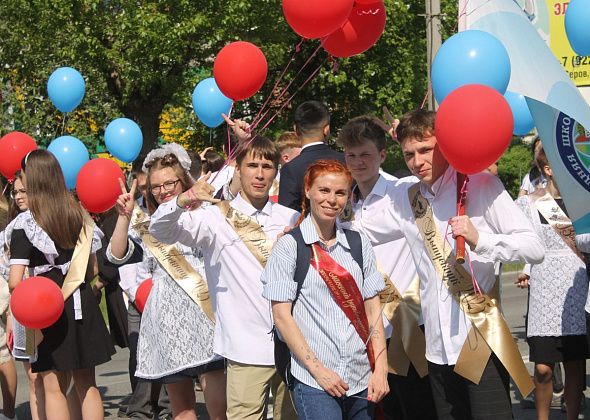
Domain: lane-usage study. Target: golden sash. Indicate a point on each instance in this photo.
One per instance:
(489, 332)
(74, 278)
(79, 263)
(274, 189)
(175, 264)
(407, 344)
(249, 232)
(557, 219)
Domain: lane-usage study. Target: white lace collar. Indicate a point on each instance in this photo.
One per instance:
(39, 238)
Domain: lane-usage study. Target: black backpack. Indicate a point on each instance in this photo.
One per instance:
(282, 352)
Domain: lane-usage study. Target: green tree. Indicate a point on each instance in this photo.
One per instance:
(514, 164)
(140, 58)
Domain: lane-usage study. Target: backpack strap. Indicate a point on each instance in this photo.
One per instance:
(302, 262)
(304, 256)
(356, 247)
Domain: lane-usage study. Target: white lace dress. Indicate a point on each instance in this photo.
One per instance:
(558, 286)
(175, 336)
(18, 331)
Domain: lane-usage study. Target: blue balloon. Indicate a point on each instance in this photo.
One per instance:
(523, 120)
(470, 57)
(577, 21)
(71, 155)
(209, 103)
(123, 139)
(66, 88)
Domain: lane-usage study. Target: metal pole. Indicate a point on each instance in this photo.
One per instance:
(433, 42)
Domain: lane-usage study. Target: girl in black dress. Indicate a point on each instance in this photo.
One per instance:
(44, 239)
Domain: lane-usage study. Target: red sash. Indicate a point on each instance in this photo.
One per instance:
(346, 294)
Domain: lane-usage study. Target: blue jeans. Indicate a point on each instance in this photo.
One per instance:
(316, 404)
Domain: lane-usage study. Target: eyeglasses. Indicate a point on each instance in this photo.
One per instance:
(14, 193)
(167, 186)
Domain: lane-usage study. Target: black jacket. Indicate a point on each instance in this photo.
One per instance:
(291, 185)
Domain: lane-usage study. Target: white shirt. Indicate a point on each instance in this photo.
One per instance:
(243, 316)
(315, 143)
(387, 176)
(505, 235)
(529, 186)
(220, 178)
(393, 257)
(324, 325)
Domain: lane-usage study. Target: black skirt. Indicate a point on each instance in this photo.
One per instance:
(558, 349)
(71, 344)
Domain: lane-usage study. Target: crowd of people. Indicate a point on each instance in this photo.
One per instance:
(298, 271)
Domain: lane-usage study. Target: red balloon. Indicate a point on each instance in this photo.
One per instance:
(240, 70)
(98, 185)
(316, 18)
(37, 302)
(143, 293)
(363, 28)
(473, 127)
(13, 148)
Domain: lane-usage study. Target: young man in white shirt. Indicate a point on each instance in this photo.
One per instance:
(236, 240)
(364, 143)
(452, 306)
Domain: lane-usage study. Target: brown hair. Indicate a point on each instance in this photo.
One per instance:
(4, 208)
(213, 161)
(361, 129)
(317, 169)
(540, 158)
(288, 140)
(13, 209)
(51, 204)
(167, 161)
(259, 147)
(416, 124)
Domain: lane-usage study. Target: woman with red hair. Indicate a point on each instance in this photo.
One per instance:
(328, 312)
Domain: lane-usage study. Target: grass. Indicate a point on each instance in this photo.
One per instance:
(512, 267)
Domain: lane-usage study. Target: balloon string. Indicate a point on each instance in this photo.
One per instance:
(474, 281)
(63, 126)
(426, 96)
(286, 89)
(230, 152)
(312, 76)
(461, 14)
(10, 181)
(282, 75)
(254, 136)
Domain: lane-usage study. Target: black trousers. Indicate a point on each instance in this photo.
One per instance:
(410, 397)
(457, 398)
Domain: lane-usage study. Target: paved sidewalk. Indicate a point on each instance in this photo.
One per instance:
(113, 380)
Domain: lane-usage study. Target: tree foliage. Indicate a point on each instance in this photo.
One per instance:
(514, 165)
(142, 60)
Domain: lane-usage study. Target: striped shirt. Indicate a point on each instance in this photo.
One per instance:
(327, 330)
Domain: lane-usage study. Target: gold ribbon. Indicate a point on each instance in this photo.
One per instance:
(249, 232)
(407, 344)
(79, 263)
(489, 332)
(274, 189)
(557, 219)
(175, 264)
(74, 278)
